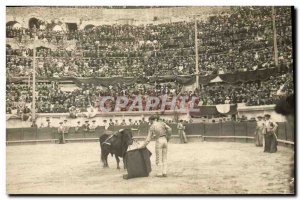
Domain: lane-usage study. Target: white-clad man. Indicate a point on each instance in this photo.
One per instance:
(259, 131)
(162, 133)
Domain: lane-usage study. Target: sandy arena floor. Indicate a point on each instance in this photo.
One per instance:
(194, 168)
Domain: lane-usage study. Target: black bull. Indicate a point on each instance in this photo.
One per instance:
(116, 144)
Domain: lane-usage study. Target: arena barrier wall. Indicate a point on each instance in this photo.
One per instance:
(229, 131)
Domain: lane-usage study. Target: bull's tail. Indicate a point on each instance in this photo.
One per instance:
(102, 156)
(104, 153)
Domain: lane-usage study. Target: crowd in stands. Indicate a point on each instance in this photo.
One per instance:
(52, 99)
(240, 41)
(243, 41)
(228, 43)
(252, 93)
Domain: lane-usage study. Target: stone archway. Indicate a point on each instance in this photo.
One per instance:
(89, 27)
(12, 24)
(71, 27)
(34, 22)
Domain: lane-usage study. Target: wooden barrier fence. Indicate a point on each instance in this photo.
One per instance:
(232, 131)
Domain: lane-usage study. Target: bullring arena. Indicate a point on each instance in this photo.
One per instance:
(218, 73)
(193, 168)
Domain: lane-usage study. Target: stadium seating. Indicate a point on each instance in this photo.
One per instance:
(239, 41)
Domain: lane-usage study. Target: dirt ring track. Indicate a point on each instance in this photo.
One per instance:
(194, 168)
